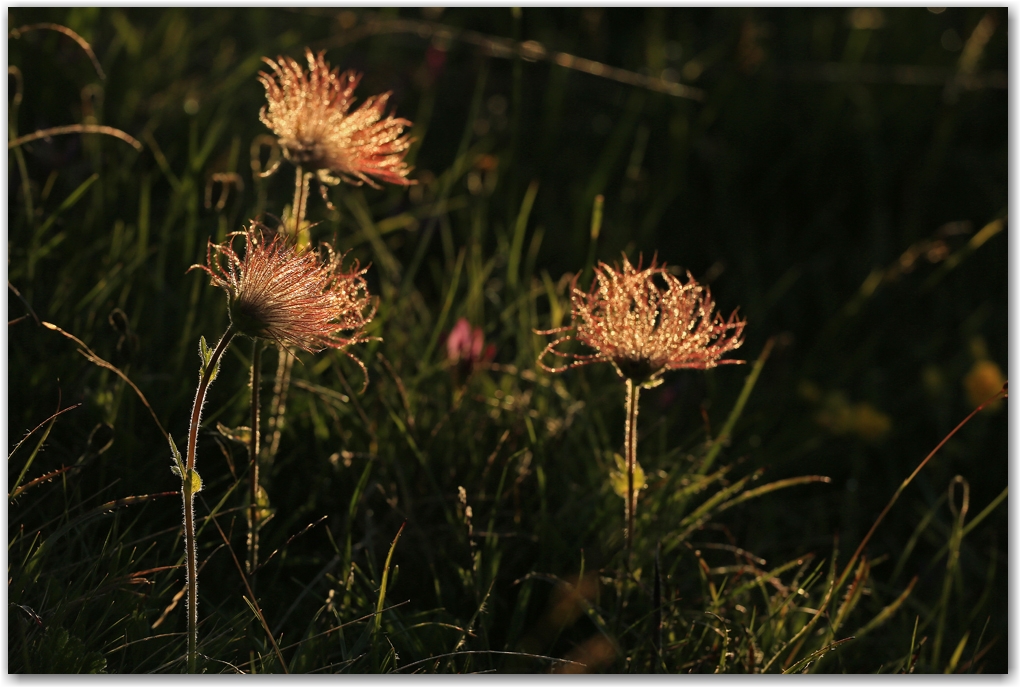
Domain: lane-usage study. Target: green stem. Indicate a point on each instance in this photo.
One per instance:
(189, 497)
(630, 441)
(253, 459)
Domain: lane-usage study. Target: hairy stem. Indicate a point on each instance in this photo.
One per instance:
(630, 441)
(189, 497)
(253, 460)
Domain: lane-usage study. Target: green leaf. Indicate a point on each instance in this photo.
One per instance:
(195, 485)
(177, 471)
(618, 477)
(206, 354)
(241, 435)
(177, 456)
(262, 501)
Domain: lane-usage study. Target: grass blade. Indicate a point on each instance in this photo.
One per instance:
(738, 408)
(385, 578)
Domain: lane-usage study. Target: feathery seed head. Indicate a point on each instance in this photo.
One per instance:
(296, 298)
(310, 112)
(644, 329)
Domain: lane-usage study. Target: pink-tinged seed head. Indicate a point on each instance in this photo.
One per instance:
(644, 322)
(298, 298)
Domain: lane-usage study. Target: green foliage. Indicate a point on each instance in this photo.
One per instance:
(842, 179)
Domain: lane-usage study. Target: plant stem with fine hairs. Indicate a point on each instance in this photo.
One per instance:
(189, 497)
(630, 446)
(253, 462)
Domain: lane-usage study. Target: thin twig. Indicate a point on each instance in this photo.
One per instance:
(39, 426)
(91, 356)
(76, 129)
(25, 302)
(506, 48)
(18, 32)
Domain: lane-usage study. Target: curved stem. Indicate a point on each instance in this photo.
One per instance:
(189, 497)
(630, 441)
(253, 458)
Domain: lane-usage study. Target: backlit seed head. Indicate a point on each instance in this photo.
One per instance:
(298, 298)
(310, 112)
(644, 322)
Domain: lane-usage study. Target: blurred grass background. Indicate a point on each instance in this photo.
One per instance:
(840, 175)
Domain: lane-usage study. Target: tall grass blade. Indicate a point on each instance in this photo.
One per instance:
(385, 578)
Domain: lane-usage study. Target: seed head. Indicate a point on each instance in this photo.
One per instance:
(310, 113)
(644, 329)
(294, 298)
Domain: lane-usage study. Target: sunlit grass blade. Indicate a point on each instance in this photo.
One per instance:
(385, 578)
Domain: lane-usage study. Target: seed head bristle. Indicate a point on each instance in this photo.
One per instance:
(643, 328)
(310, 112)
(298, 298)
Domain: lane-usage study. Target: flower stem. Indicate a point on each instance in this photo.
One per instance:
(630, 440)
(299, 206)
(189, 497)
(278, 406)
(253, 458)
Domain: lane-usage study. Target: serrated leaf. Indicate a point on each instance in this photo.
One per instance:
(618, 477)
(206, 354)
(176, 454)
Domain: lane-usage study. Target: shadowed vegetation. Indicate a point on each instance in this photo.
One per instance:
(839, 176)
